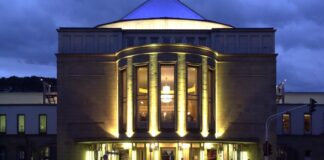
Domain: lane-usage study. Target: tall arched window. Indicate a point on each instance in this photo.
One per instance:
(192, 96)
(167, 92)
(142, 97)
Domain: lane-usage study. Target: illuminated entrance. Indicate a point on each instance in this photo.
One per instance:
(168, 151)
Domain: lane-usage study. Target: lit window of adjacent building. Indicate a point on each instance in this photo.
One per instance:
(43, 124)
(211, 111)
(286, 123)
(123, 109)
(192, 95)
(3, 123)
(167, 89)
(21, 123)
(142, 97)
(307, 123)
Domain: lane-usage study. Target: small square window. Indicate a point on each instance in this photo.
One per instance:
(166, 40)
(141, 41)
(130, 41)
(178, 40)
(191, 40)
(202, 41)
(154, 39)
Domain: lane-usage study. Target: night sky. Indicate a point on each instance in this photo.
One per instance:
(28, 37)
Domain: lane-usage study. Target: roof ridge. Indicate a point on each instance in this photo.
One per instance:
(162, 8)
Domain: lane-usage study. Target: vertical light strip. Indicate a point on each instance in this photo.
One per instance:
(153, 94)
(204, 96)
(129, 131)
(181, 77)
(219, 130)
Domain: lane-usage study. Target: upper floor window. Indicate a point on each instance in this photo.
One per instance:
(123, 109)
(154, 39)
(178, 39)
(286, 123)
(21, 123)
(142, 97)
(166, 40)
(141, 40)
(130, 41)
(307, 123)
(191, 40)
(202, 41)
(192, 95)
(43, 124)
(167, 89)
(3, 123)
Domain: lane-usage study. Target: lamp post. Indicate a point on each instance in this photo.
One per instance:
(267, 145)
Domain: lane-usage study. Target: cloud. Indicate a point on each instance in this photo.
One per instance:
(28, 30)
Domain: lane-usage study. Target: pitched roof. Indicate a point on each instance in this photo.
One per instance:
(163, 9)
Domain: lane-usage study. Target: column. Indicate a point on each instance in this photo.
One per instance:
(153, 95)
(204, 96)
(129, 129)
(181, 90)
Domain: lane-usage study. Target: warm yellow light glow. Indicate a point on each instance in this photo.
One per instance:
(90, 155)
(127, 145)
(204, 64)
(208, 145)
(166, 96)
(181, 75)
(153, 94)
(245, 155)
(165, 24)
(219, 133)
(129, 131)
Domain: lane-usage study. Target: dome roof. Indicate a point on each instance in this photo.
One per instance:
(162, 15)
(163, 9)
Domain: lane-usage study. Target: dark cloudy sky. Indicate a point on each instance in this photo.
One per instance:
(28, 38)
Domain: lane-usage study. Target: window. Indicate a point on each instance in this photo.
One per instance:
(211, 111)
(141, 40)
(142, 97)
(3, 123)
(154, 39)
(202, 41)
(123, 109)
(191, 40)
(194, 153)
(307, 123)
(286, 123)
(21, 123)
(192, 94)
(178, 39)
(129, 41)
(21, 154)
(166, 40)
(167, 96)
(43, 124)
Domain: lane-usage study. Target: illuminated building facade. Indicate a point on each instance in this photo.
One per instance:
(164, 83)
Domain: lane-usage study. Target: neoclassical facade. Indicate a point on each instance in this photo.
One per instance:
(164, 83)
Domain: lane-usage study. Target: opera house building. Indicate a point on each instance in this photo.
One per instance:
(164, 83)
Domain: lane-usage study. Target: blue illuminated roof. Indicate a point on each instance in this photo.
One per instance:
(163, 9)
